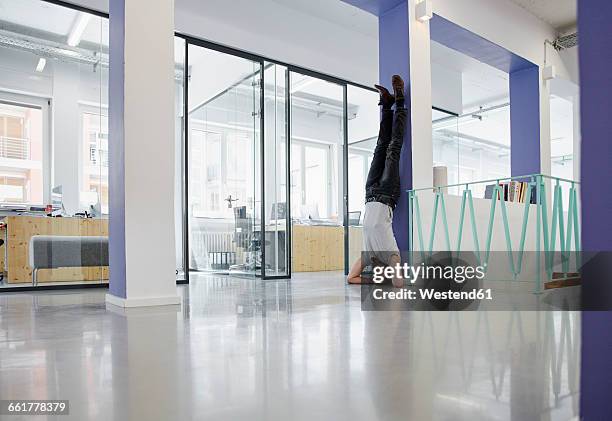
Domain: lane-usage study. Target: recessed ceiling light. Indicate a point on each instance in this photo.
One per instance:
(42, 62)
(76, 33)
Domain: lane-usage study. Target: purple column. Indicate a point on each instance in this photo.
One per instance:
(394, 58)
(116, 171)
(525, 121)
(595, 59)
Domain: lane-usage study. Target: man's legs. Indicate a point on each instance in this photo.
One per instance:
(384, 137)
(390, 178)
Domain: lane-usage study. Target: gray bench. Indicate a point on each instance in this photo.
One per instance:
(63, 251)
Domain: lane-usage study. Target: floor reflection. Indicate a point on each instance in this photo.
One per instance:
(251, 349)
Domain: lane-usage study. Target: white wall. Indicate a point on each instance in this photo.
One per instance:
(446, 88)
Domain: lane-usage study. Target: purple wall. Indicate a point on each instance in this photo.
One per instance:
(116, 171)
(460, 39)
(525, 121)
(595, 60)
(394, 58)
(376, 7)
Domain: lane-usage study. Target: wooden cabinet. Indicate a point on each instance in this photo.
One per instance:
(21, 228)
(317, 248)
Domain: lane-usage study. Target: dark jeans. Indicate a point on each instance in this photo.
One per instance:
(383, 184)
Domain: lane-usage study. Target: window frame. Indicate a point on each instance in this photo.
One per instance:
(44, 104)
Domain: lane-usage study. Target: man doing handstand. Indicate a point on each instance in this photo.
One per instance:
(383, 186)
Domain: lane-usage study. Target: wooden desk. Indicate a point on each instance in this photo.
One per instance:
(21, 228)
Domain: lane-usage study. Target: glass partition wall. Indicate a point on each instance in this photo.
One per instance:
(224, 126)
(264, 165)
(363, 124)
(53, 146)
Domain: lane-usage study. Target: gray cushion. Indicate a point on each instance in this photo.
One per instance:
(56, 251)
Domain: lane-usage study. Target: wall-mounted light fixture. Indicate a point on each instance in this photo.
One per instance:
(549, 72)
(424, 10)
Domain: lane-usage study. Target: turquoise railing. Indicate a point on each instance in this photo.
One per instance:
(546, 234)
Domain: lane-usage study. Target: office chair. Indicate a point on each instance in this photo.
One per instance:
(247, 239)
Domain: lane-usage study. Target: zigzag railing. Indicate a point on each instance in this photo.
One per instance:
(544, 237)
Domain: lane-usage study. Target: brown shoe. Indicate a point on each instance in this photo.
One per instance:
(386, 99)
(398, 89)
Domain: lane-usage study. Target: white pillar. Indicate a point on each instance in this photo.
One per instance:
(420, 100)
(545, 146)
(141, 146)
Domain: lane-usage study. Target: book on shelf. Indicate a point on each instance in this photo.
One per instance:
(511, 191)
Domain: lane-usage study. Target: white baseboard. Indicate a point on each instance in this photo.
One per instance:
(142, 302)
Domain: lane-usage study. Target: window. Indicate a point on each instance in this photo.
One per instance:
(363, 124)
(95, 160)
(310, 180)
(220, 168)
(317, 140)
(21, 154)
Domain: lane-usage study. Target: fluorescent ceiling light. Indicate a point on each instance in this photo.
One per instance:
(76, 33)
(42, 62)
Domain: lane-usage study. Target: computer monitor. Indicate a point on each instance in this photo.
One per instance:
(57, 199)
(56, 196)
(279, 211)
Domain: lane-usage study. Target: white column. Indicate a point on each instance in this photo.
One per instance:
(141, 143)
(420, 100)
(545, 146)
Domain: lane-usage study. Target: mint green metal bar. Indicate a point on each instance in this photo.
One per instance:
(524, 228)
(461, 216)
(434, 219)
(419, 224)
(544, 208)
(504, 213)
(474, 229)
(491, 219)
(444, 220)
(410, 227)
(576, 230)
(538, 286)
(570, 220)
(553, 228)
(560, 218)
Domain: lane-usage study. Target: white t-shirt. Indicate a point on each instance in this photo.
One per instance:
(378, 239)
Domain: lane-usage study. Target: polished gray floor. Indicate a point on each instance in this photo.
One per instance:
(301, 350)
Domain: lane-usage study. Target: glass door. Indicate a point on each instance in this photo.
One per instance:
(224, 163)
(317, 182)
(276, 243)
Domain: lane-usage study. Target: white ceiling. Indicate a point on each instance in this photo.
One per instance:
(560, 14)
(52, 19)
(337, 12)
